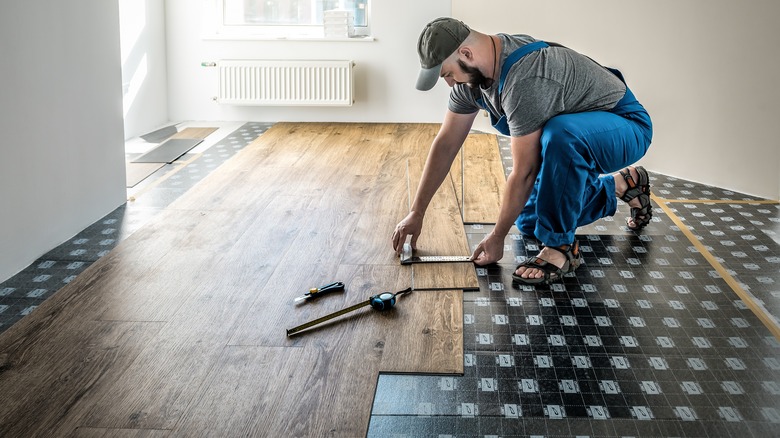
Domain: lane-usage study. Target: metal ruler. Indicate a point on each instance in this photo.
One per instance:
(407, 258)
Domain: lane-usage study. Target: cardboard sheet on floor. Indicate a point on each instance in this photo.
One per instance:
(137, 172)
(200, 133)
(160, 135)
(169, 151)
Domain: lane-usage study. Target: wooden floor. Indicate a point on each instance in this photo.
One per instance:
(180, 330)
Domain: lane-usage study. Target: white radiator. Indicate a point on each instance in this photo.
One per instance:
(268, 82)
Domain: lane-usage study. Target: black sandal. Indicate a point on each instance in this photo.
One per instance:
(639, 190)
(551, 272)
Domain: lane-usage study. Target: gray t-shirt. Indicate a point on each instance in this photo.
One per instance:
(540, 86)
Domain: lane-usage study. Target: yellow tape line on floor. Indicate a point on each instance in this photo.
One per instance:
(759, 311)
(716, 201)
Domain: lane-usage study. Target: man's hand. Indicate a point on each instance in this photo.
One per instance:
(411, 225)
(490, 250)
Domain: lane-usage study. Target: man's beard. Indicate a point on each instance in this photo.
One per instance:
(476, 78)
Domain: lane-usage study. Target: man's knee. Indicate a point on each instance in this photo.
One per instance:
(560, 137)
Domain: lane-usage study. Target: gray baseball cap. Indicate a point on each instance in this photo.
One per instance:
(440, 39)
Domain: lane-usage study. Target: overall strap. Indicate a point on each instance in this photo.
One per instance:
(514, 57)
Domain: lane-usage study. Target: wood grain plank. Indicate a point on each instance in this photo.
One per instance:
(284, 144)
(328, 366)
(157, 387)
(194, 133)
(242, 373)
(311, 398)
(445, 275)
(50, 397)
(484, 179)
(91, 432)
(443, 231)
(203, 239)
(444, 235)
(94, 290)
(430, 340)
(325, 236)
(274, 311)
(301, 206)
(370, 240)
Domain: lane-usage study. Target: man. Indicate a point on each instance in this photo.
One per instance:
(575, 131)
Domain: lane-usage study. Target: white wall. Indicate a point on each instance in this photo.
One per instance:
(706, 70)
(61, 152)
(144, 72)
(386, 69)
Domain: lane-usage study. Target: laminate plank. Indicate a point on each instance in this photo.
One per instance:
(443, 231)
(203, 239)
(49, 397)
(445, 276)
(370, 240)
(443, 235)
(169, 151)
(373, 147)
(311, 398)
(94, 290)
(388, 198)
(300, 207)
(273, 164)
(284, 144)
(325, 389)
(249, 191)
(90, 432)
(430, 340)
(194, 133)
(156, 388)
(204, 322)
(484, 179)
(324, 238)
(274, 311)
(242, 373)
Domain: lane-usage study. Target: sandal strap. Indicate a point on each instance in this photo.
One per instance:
(640, 190)
(636, 188)
(571, 252)
(536, 262)
(547, 268)
(642, 214)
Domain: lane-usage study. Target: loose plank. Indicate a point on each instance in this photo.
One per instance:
(484, 179)
(194, 133)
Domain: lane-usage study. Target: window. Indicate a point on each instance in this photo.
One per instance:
(281, 18)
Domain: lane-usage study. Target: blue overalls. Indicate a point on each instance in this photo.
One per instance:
(577, 149)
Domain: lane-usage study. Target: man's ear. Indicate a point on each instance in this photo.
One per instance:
(466, 52)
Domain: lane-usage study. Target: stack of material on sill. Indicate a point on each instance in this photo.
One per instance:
(338, 24)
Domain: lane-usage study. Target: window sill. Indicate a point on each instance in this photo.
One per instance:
(355, 39)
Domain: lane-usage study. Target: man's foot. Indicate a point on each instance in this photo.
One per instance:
(548, 255)
(632, 185)
(550, 265)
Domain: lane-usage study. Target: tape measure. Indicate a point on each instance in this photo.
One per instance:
(381, 302)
